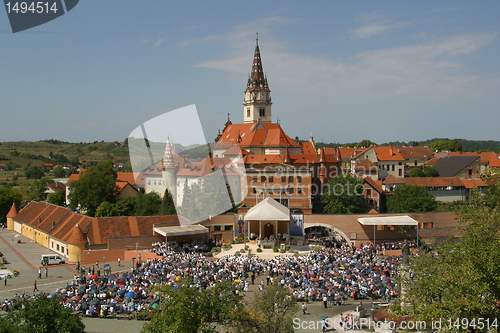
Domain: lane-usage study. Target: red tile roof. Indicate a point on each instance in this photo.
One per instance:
(416, 152)
(375, 184)
(77, 236)
(307, 148)
(13, 211)
(393, 180)
(270, 136)
(495, 162)
(432, 161)
(485, 156)
(388, 154)
(60, 223)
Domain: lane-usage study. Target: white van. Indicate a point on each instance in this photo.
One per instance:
(51, 259)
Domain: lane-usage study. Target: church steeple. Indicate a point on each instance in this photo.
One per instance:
(257, 102)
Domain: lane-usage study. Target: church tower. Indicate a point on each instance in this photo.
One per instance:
(257, 103)
(169, 171)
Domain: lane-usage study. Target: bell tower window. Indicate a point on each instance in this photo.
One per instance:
(248, 112)
(262, 112)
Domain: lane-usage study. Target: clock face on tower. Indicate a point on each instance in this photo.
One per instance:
(262, 96)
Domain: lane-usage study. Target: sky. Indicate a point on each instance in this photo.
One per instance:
(344, 71)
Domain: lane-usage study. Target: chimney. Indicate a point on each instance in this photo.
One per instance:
(391, 150)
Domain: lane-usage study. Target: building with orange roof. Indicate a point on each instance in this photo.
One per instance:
(444, 188)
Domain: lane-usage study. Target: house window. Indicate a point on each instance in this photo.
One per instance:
(299, 179)
(290, 179)
(345, 164)
(216, 227)
(369, 192)
(57, 247)
(248, 112)
(470, 172)
(155, 181)
(235, 182)
(271, 179)
(283, 179)
(228, 227)
(416, 163)
(400, 173)
(52, 245)
(262, 112)
(263, 179)
(254, 190)
(290, 190)
(299, 190)
(149, 181)
(255, 179)
(393, 167)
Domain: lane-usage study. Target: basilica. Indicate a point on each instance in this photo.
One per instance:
(288, 170)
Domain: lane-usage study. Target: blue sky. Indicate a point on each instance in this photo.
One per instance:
(343, 70)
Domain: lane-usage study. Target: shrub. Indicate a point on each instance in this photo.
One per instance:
(259, 250)
(275, 250)
(231, 241)
(226, 246)
(296, 253)
(290, 251)
(242, 251)
(287, 247)
(282, 251)
(247, 247)
(249, 255)
(237, 254)
(216, 249)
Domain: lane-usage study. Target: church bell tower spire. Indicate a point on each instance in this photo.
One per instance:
(257, 102)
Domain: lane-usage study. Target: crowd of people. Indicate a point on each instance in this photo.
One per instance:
(330, 275)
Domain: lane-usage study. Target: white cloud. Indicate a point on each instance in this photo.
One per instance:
(430, 66)
(158, 42)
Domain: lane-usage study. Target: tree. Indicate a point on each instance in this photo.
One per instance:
(167, 204)
(460, 279)
(411, 198)
(147, 204)
(106, 209)
(71, 171)
(185, 309)
(365, 144)
(416, 172)
(271, 312)
(344, 195)
(36, 191)
(96, 185)
(430, 172)
(34, 172)
(42, 315)
(451, 145)
(57, 198)
(58, 172)
(8, 196)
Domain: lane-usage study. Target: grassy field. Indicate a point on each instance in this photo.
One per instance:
(24, 153)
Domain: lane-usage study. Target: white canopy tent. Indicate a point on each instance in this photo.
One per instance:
(388, 220)
(184, 230)
(268, 209)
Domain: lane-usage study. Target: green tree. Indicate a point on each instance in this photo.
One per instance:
(106, 209)
(71, 171)
(96, 185)
(430, 172)
(411, 198)
(147, 204)
(8, 196)
(36, 191)
(57, 198)
(271, 311)
(460, 279)
(344, 195)
(416, 172)
(58, 172)
(41, 315)
(125, 206)
(167, 204)
(365, 144)
(33, 172)
(188, 310)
